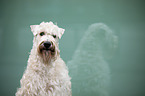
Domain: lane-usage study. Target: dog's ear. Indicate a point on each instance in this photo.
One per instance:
(61, 32)
(34, 28)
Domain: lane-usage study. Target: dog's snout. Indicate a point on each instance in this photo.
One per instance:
(47, 44)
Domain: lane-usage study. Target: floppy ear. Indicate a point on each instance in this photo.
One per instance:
(61, 31)
(34, 28)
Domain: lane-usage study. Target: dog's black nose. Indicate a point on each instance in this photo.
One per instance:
(47, 44)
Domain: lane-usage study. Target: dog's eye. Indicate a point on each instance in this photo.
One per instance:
(42, 33)
(54, 36)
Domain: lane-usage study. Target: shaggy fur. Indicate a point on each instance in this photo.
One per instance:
(46, 73)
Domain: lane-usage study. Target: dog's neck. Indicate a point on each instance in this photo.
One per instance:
(35, 64)
(38, 58)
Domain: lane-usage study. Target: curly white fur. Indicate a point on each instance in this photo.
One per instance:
(42, 77)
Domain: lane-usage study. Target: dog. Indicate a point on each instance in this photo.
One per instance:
(46, 73)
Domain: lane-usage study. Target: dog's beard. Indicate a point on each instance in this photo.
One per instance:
(47, 54)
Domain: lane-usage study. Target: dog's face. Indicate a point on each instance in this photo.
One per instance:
(46, 37)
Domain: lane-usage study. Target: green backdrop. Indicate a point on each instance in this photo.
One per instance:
(125, 17)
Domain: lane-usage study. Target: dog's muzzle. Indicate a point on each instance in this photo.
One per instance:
(47, 47)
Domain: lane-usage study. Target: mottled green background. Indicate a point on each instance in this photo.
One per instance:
(125, 17)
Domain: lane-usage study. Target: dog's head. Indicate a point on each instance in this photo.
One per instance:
(46, 37)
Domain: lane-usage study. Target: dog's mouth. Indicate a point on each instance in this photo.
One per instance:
(47, 49)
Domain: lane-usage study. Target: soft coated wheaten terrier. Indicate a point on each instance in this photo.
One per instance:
(46, 73)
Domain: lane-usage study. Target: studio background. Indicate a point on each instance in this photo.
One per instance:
(125, 17)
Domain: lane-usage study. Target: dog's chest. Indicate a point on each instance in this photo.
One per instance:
(51, 80)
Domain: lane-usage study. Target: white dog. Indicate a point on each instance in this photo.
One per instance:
(46, 73)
